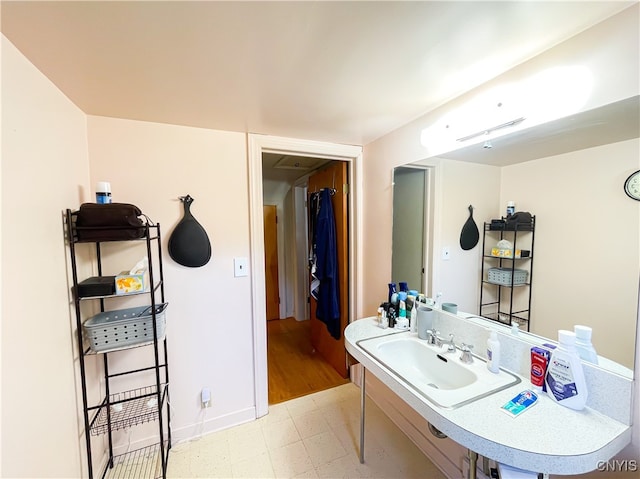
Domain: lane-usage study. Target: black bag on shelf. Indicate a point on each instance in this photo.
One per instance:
(97, 286)
(109, 222)
(520, 220)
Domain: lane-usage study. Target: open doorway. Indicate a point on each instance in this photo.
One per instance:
(301, 357)
(257, 145)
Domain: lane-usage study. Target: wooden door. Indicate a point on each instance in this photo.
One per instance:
(332, 350)
(271, 262)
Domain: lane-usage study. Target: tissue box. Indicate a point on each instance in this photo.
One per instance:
(128, 283)
(508, 253)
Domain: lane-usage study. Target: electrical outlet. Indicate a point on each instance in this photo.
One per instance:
(205, 397)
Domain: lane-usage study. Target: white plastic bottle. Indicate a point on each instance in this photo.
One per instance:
(511, 208)
(103, 192)
(565, 378)
(583, 344)
(493, 353)
(515, 328)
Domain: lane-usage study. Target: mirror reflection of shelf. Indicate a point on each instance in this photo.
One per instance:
(499, 272)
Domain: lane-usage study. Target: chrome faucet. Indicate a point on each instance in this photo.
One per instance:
(433, 339)
(466, 357)
(451, 346)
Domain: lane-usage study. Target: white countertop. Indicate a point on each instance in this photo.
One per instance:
(548, 438)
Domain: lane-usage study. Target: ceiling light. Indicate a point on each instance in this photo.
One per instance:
(487, 131)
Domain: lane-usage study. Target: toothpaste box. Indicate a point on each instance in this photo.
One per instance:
(540, 357)
(520, 403)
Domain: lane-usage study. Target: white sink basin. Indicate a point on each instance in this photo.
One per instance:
(435, 374)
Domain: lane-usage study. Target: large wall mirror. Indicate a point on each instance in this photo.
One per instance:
(570, 174)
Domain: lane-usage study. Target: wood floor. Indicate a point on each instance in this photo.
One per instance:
(294, 369)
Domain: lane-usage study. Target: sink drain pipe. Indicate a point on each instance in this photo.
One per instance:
(436, 432)
(473, 464)
(362, 401)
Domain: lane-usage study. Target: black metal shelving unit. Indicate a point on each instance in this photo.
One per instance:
(500, 305)
(115, 410)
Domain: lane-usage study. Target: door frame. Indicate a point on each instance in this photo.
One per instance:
(257, 145)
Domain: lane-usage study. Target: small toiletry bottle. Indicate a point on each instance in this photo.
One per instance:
(404, 287)
(391, 315)
(410, 303)
(515, 329)
(392, 290)
(413, 320)
(103, 192)
(565, 380)
(586, 351)
(402, 314)
(493, 353)
(384, 321)
(511, 208)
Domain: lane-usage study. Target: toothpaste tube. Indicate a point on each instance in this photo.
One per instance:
(539, 363)
(520, 403)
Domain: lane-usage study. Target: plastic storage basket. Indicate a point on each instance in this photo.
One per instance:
(503, 276)
(123, 328)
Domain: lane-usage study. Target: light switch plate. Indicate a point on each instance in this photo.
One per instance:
(240, 267)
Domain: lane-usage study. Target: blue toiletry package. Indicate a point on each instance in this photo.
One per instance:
(519, 404)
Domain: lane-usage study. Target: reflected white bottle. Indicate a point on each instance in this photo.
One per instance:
(583, 344)
(493, 353)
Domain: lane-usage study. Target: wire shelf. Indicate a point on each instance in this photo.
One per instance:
(140, 464)
(138, 406)
(504, 318)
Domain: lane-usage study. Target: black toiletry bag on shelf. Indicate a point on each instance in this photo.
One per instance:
(109, 222)
(97, 286)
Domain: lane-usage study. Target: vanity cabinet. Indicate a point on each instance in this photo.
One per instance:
(125, 383)
(506, 276)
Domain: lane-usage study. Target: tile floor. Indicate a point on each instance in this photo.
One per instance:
(315, 436)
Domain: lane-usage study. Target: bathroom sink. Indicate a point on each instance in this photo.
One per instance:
(439, 376)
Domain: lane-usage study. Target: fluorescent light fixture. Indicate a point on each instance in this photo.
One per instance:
(548, 95)
(488, 131)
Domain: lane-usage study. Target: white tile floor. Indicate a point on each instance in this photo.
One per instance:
(316, 436)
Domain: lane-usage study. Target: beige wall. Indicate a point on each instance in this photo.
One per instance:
(45, 170)
(209, 319)
(586, 244)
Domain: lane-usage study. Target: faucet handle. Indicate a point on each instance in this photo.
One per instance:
(466, 356)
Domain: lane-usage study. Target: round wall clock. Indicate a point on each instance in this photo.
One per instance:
(632, 186)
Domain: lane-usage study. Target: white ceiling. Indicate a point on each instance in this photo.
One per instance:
(346, 72)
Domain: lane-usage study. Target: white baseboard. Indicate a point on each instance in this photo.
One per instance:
(199, 429)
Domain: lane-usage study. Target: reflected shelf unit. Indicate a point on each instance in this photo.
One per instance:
(107, 406)
(505, 289)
